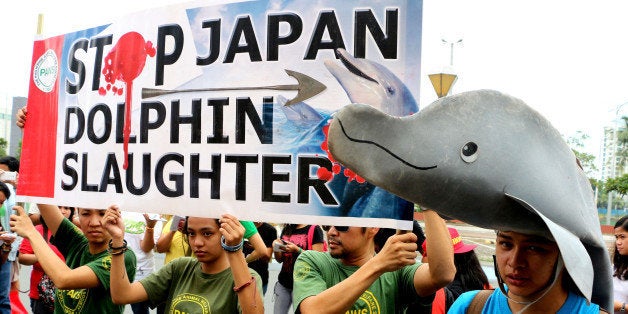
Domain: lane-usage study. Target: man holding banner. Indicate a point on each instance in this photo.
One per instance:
(82, 284)
(352, 277)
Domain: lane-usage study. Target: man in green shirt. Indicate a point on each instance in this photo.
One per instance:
(83, 280)
(352, 278)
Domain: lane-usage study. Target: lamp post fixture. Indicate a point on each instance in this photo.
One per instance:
(442, 82)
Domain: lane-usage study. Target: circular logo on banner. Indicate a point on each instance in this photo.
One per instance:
(45, 71)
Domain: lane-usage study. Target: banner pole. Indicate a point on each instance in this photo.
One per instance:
(40, 23)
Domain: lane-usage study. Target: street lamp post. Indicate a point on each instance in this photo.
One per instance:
(451, 45)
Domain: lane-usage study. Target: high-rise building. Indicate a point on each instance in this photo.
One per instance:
(611, 154)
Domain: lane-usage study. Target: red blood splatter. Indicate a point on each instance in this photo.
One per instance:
(324, 174)
(336, 166)
(124, 63)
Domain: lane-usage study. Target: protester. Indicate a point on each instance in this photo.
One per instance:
(6, 243)
(83, 284)
(531, 277)
(293, 241)
(140, 236)
(620, 265)
(171, 241)
(352, 278)
(83, 280)
(469, 275)
(268, 234)
(27, 257)
(10, 164)
(216, 279)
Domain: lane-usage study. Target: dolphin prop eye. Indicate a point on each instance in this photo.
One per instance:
(469, 152)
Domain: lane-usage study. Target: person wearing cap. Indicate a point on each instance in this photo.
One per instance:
(351, 278)
(469, 274)
(532, 278)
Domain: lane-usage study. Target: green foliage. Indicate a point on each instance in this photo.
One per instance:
(618, 184)
(3, 147)
(587, 161)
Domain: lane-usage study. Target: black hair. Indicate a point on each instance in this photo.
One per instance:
(288, 229)
(12, 163)
(72, 212)
(381, 236)
(5, 189)
(420, 236)
(620, 262)
(469, 274)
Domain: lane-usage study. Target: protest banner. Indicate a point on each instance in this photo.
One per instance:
(209, 107)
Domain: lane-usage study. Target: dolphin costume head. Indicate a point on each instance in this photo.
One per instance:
(488, 159)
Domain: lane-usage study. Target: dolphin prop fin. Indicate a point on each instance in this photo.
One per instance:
(575, 256)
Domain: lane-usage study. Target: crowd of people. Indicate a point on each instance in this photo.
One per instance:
(99, 260)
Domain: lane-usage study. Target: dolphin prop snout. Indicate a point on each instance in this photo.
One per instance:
(488, 159)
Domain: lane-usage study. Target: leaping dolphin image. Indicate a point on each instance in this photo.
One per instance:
(368, 82)
(487, 159)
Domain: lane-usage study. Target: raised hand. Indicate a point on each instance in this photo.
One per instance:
(112, 221)
(21, 224)
(231, 229)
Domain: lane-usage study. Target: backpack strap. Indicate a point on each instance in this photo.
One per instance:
(479, 300)
(310, 237)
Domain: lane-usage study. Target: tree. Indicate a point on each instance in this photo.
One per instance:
(587, 161)
(622, 143)
(3, 147)
(618, 184)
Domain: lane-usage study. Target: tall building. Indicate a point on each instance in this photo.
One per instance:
(15, 133)
(8, 130)
(611, 157)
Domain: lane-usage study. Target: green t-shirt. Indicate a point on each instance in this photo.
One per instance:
(249, 228)
(73, 245)
(187, 289)
(315, 272)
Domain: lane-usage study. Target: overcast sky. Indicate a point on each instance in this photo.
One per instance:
(567, 59)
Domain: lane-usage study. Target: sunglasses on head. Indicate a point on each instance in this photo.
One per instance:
(338, 228)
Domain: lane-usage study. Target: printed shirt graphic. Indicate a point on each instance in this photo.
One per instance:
(187, 289)
(73, 244)
(315, 272)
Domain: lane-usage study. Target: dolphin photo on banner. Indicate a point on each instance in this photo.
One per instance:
(208, 107)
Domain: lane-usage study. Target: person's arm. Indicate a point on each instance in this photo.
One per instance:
(27, 259)
(64, 277)
(165, 238)
(52, 216)
(440, 270)
(147, 244)
(399, 251)
(260, 251)
(122, 290)
(249, 297)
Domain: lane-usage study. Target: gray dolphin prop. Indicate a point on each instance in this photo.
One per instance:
(488, 159)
